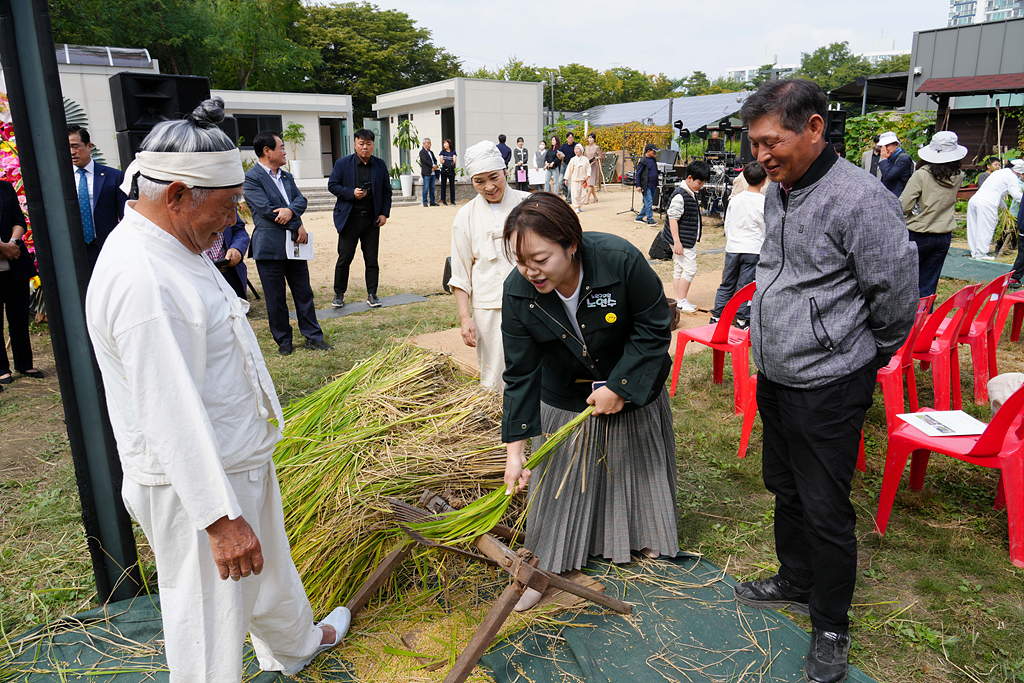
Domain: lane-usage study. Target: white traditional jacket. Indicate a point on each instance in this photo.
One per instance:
(479, 265)
(188, 392)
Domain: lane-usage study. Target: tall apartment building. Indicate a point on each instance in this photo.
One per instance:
(964, 12)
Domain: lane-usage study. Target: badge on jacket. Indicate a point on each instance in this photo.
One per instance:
(603, 300)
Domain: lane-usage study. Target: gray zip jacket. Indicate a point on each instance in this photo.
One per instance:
(837, 280)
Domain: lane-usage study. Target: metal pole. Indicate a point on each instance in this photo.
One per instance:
(864, 99)
(37, 112)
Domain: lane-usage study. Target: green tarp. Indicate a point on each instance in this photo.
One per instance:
(960, 266)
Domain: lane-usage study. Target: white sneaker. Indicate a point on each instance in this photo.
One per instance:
(339, 619)
(686, 307)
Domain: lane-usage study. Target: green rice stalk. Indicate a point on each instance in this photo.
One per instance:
(480, 516)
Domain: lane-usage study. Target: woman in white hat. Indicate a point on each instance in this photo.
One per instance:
(983, 207)
(928, 205)
(479, 264)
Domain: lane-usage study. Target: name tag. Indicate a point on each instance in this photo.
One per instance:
(601, 300)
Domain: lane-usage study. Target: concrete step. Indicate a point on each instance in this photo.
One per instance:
(322, 200)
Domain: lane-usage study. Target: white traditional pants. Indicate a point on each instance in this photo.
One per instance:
(981, 225)
(205, 618)
(490, 352)
(577, 194)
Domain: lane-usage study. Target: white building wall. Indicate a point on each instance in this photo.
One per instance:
(490, 108)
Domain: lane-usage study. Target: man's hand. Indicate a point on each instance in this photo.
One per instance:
(605, 402)
(233, 256)
(301, 237)
(236, 550)
(469, 333)
(639, 190)
(359, 193)
(283, 216)
(381, 220)
(9, 250)
(885, 153)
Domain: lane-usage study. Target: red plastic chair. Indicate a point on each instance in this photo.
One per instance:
(1010, 300)
(976, 331)
(749, 411)
(1000, 446)
(723, 338)
(939, 348)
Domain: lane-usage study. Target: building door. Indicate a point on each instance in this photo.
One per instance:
(403, 154)
(381, 146)
(448, 127)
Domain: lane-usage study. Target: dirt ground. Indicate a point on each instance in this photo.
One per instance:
(416, 240)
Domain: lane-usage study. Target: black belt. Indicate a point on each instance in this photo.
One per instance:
(363, 212)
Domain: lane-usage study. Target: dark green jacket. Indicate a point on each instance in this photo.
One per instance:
(626, 326)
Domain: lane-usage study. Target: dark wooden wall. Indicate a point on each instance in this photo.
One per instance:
(976, 130)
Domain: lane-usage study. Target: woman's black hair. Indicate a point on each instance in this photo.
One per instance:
(547, 216)
(944, 173)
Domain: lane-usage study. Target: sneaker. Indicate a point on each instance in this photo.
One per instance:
(713, 320)
(285, 349)
(1014, 284)
(828, 659)
(318, 344)
(773, 593)
(741, 324)
(639, 219)
(338, 301)
(652, 222)
(373, 301)
(434, 204)
(686, 307)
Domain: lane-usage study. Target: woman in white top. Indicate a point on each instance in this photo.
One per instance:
(983, 207)
(479, 263)
(577, 172)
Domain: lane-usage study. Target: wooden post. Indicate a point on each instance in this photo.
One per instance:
(377, 579)
(484, 635)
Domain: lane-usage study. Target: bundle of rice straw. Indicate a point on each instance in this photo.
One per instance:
(399, 422)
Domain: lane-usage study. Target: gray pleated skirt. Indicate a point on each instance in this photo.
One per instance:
(608, 490)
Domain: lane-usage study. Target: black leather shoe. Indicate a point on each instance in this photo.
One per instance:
(373, 301)
(773, 593)
(285, 349)
(33, 373)
(828, 658)
(318, 344)
(9, 379)
(339, 301)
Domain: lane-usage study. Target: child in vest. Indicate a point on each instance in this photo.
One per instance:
(744, 233)
(683, 229)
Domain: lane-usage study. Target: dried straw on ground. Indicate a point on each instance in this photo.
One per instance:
(399, 422)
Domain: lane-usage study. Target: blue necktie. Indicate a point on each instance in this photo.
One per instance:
(86, 207)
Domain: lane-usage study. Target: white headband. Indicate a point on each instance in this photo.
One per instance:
(482, 158)
(205, 170)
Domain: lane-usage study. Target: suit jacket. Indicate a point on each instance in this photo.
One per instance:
(262, 197)
(236, 237)
(342, 183)
(22, 268)
(107, 206)
(427, 162)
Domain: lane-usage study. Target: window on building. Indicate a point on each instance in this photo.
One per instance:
(251, 124)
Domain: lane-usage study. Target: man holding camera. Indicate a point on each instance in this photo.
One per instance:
(362, 185)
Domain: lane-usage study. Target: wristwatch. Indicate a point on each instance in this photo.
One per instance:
(18, 241)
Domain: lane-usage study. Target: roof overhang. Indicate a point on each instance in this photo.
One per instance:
(972, 85)
(412, 99)
(884, 90)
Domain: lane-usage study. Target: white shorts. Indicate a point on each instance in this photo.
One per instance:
(684, 266)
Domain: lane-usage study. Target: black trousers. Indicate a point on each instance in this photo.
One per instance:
(273, 274)
(811, 439)
(231, 277)
(450, 181)
(931, 254)
(14, 301)
(738, 272)
(360, 229)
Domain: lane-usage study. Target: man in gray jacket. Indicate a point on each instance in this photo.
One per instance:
(836, 297)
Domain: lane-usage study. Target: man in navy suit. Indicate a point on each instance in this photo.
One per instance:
(277, 207)
(99, 194)
(362, 185)
(228, 252)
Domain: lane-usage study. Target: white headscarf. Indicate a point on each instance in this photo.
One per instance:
(482, 158)
(208, 170)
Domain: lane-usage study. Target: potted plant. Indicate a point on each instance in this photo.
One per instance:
(406, 139)
(294, 134)
(396, 172)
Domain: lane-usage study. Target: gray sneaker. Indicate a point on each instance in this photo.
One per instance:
(338, 301)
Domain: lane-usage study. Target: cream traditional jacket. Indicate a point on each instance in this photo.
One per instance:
(188, 392)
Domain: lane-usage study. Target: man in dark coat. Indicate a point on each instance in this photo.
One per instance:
(99, 195)
(896, 166)
(428, 166)
(16, 269)
(228, 253)
(277, 206)
(362, 185)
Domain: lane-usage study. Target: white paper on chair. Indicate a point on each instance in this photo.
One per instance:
(944, 423)
(298, 252)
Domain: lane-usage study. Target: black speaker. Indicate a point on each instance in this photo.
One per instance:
(725, 125)
(746, 156)
(128, 143)
(702, 132)
(230, 127)
(140, 101)
(684, 133)
(835, 125)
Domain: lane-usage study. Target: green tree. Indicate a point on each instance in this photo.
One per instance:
(517, 70)
(832, 65)
(257, 46)
(582, 88)
(367, 51)
(697, 84)
(893, 65)
(723, 84)
(763, 74)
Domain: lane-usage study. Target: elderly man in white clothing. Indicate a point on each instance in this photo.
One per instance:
(479, 264)
(193, 408)
(983, 207)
